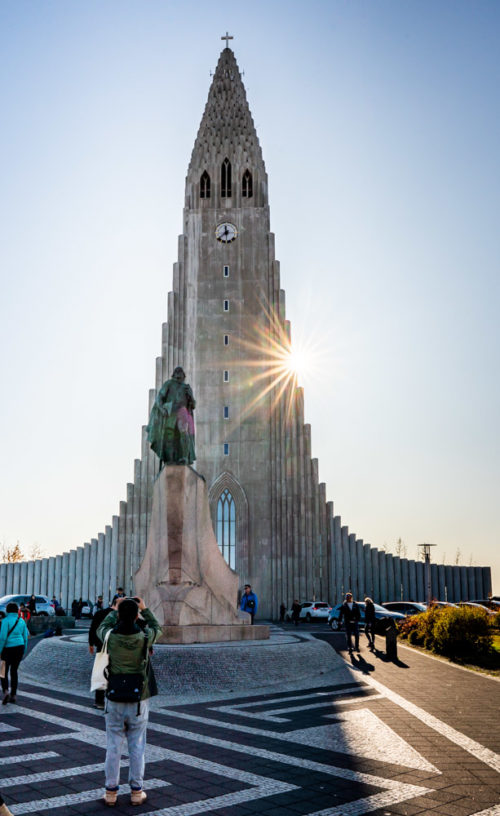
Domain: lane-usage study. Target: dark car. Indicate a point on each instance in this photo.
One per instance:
(405, 607)
(380, 614)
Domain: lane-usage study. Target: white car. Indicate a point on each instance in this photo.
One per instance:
(311, 610)
(43, 604)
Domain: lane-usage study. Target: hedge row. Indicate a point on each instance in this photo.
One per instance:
(459, 632)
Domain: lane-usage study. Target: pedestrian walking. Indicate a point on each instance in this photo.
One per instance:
(249, 602)
(296, 607)
(13, 643)
(370, 618)
(349, 611)
(127, 647)
(98, 604)
(282, 611)
(32, 605)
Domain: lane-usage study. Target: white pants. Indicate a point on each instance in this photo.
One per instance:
(122, 721)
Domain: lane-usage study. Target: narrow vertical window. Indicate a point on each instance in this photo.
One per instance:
(205, 185)
(226, 271)
(226, 339)
(226, 411)
(225, 179)
(226, 305)
(226, 376)
(226, 448)
(226, 526)
(247, 185)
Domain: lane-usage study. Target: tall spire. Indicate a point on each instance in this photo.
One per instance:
(227, 127)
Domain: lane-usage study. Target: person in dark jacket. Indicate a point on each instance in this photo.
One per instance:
(370, 622)
(95, 645)
(296, 607)
(32, 605)
(349, 611)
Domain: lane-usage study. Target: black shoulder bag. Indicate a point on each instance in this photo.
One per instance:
(128, 688)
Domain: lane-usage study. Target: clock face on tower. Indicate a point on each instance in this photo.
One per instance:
(226, 232)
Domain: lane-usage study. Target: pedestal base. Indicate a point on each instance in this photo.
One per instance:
(206, 633)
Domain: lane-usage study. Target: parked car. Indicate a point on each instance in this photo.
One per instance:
(442, 603)
(43, 604)
(380, 613)
(311, 610)
(475, 605)
(405, 607)
(87, 609)
(490, 603)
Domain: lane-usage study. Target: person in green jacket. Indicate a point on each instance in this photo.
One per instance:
(126, 656)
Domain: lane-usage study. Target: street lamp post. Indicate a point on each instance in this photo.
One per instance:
(427, 558)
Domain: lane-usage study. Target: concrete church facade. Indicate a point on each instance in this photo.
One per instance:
(226, 326)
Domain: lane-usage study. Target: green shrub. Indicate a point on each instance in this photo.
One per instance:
(462, 632)
(495, 621)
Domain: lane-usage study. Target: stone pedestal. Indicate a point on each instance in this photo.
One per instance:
(183, 577)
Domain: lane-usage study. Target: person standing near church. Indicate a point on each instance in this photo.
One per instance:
(13, 644)
(126, 645)
(349, 611)
(249, 602)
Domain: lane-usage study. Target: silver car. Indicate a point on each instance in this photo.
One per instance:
(43, 604)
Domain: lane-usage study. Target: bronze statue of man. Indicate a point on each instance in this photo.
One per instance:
(171, 423)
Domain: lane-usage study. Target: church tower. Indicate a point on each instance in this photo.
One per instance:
(227, 328)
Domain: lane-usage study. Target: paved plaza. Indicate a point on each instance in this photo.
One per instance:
(415, 737)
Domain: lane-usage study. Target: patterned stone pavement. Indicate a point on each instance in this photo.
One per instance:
(415, 738)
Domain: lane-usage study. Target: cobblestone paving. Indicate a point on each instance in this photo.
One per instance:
(375, 743)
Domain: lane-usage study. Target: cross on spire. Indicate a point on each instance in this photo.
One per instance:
(227, 37)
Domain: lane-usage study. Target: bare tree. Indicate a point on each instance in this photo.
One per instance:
(458, 556)
(11, 555)
(400, 548)
(36, 552)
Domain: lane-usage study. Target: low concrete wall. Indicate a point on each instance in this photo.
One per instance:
(40, 623)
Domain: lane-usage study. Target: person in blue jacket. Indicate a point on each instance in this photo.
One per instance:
(249, 601)
(13, 643)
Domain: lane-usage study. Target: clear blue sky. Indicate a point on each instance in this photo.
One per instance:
(379, 123)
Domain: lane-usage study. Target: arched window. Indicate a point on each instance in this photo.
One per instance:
(226, 527)
(225, 179)
(247, 185)
(205, 185)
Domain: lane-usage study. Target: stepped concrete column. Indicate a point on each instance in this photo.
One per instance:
(486, 581)
(434, 582)
(9, 576)
(79, 574)
(44, 576)
(24, 578)
(71, 577)
(100, 565)
(50, 576)
(16, 577)
(360, 560)
(108, 592)
(457, 591)
(354, 565)
(450, 593)
(113, 566)
(421, 591)
(332, 566)
(93, 570)
(31, 578)
(389, 565)
(442, 582)
(412, 572)
(58, 578)
(3, 579)
(344, 532)
(396, 564)
(368, 570)
(405, 580)
(464, 584)
(375, 575)
(471, 579)
(65, 582)
(36, 577)
(339, 561)
(86, 572)
(382, 569)
(478, 572)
